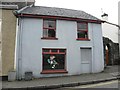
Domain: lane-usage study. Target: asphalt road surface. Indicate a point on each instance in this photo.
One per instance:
(109, 84)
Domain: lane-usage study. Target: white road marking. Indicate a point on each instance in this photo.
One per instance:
(100, 84)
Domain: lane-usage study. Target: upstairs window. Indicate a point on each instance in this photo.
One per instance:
(82, 31)
(49, 29)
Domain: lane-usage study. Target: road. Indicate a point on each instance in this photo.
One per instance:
(109, 84)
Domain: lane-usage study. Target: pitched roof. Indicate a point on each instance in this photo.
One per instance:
(53, 11)
(10, 4)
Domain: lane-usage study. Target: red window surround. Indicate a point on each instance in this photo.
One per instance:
(82, 31)
(49, 29)
(53, 71)
(54, 52)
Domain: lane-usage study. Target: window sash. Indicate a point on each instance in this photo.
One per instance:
(84, 33)
(82, 30)
(47, 31)
(85, 26)
(49, 23)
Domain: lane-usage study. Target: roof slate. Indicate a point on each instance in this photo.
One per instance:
(62, 12)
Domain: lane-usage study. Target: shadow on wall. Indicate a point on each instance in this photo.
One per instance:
(111, 52)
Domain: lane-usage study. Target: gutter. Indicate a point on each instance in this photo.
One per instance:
(13, 7)
(16, 12)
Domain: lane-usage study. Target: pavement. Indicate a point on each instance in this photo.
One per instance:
(110, 73)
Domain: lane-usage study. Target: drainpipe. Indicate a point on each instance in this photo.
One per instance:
(18, 47)
(16, 44)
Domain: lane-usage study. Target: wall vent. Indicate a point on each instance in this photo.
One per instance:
(28, 76)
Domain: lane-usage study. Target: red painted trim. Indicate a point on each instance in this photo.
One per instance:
(60, 17)
(85, 39)
(54, 48)
(58, 52)
(50, 51)
(83, 31)
(54, 28)
(49, 28)
(49, 38)
(53, 71)
(53, 53)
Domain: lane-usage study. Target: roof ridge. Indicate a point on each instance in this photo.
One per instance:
(59, 8)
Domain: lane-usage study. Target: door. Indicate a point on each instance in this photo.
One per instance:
(107, 57)
(86, 60)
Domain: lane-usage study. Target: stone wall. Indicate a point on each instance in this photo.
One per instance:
(113, 51)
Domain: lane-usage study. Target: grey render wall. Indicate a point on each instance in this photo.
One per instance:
(66, 31)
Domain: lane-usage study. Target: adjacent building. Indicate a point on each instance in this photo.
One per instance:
(8, 32)
(58, 42)
(110, 39)
(119, 25)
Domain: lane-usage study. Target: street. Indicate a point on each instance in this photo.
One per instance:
(109, 84)
(65, 83)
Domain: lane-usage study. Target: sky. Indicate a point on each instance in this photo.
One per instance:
(93, 7)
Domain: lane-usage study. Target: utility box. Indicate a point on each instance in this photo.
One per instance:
(28, 76)
(11, 75)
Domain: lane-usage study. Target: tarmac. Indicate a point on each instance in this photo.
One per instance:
(110, 73)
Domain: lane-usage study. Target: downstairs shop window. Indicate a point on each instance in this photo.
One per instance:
(54, 61)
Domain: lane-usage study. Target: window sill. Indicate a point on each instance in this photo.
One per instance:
(83, 39)
(53, 71)
(49, 38)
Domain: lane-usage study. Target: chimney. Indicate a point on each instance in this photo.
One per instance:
(104, 17)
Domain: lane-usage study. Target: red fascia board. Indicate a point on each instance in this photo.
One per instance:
(60, 18)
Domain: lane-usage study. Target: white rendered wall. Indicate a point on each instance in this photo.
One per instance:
(66, 32)
(98, 48)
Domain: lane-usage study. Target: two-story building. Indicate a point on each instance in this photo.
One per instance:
(57, 42)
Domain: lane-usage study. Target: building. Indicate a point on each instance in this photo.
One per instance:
(108, 28)
(0, 47)
(110, 39)
(8, 31)
(119, 25)
(57, 42)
